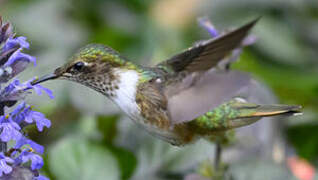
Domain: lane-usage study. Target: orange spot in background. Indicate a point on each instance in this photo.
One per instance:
(175, 13)
(301, 168)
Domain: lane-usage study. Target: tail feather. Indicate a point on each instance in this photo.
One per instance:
(273, 110)
(248, 113)
(237, 113)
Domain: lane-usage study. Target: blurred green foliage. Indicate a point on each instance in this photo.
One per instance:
(304, 139)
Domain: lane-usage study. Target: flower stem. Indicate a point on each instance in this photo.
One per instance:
(3, 147)
(218, 154)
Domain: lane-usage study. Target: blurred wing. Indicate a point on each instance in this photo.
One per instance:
(207, 54)
(211, 90)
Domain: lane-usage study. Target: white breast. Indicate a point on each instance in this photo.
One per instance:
(125, 96)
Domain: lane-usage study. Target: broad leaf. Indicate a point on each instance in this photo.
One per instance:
(75, 158)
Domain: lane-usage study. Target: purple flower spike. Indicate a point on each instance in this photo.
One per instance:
(4, 167)
(13, 62)
(205, 23)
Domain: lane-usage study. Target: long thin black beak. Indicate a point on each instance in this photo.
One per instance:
(44, 78)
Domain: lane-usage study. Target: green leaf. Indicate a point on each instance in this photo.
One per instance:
(115, 38)
(76, 158)
(107, 126)
(126, 161)
(304, 138)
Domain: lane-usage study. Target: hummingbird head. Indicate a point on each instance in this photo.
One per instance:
(95, 66)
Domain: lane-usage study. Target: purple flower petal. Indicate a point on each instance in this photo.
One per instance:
(251, 39)
(28, 119)
(38, 88)
(22, 115)
(43, 122)
(23, 43)
(4, 167)
(37, 147)
(23, 141)
(14, 124)
(11, 43)
(18, 109)
(14, 42)
(19, 66)
(9, 131)
(19, 56)
(36, 160)
(2, 118)
(10, 87)
(38, 118)
(205, 23)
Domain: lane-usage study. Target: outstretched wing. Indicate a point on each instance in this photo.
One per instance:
(203, 56)
(210, 91)
(192, 90)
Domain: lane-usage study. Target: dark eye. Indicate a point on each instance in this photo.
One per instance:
(78, 66)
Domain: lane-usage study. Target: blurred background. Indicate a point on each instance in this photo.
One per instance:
(91, 139)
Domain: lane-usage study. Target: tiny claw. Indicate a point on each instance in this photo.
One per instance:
(298, 114)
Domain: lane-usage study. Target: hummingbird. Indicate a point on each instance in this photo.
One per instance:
(179, 100)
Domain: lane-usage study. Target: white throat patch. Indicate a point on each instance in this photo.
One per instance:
(125, 95)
